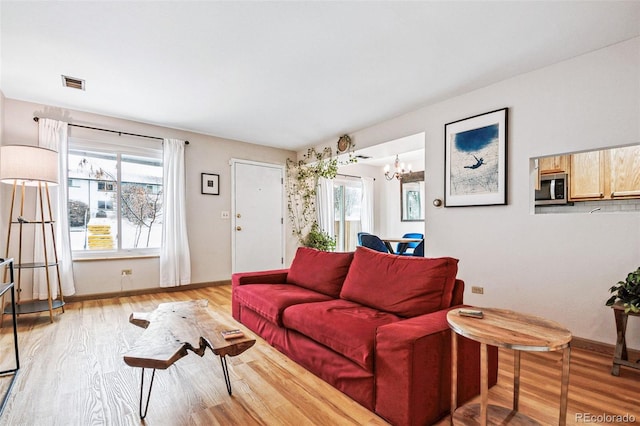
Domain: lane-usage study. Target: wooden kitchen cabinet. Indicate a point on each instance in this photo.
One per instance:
(586, 180)
(624, 166)
(552, 165)
(555, 164)
(605, 175)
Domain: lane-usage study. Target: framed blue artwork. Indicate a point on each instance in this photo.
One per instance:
(475, 160)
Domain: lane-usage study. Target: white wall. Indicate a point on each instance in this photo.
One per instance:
(556, 266)
(1, 115)
(209, 235)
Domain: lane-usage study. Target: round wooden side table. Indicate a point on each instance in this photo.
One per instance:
(510, 330)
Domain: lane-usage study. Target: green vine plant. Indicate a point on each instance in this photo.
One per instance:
(301, 183)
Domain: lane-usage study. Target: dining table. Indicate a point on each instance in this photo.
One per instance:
(387, 242)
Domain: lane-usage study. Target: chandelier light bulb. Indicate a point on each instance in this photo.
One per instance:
(398, 170)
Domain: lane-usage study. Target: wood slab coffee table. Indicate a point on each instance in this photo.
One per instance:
(171, 331)
(511, 330)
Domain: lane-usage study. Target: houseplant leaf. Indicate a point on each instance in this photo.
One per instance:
(627, 292)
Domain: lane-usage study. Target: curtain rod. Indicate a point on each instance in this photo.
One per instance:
(350, 176)
(36, 119)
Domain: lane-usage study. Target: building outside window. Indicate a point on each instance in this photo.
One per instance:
(115, 202)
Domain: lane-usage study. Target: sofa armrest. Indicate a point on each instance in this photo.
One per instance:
(273, 276)
(413, 368)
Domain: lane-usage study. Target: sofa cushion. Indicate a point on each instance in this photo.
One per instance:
(346, 327)
(321, 271)
(404, 285)
(269, 300)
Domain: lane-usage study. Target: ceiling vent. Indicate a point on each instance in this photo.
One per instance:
(72, 82)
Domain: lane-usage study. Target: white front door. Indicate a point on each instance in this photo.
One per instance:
(258, 216)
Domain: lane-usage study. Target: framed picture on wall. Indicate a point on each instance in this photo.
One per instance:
(475, 160)
(412, 197)
(210, 184)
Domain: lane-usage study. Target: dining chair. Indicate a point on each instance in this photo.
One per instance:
(403, 247)
(374, 242)
(419, 249)
(360, 234)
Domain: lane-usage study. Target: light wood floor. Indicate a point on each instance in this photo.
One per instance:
(72, 373)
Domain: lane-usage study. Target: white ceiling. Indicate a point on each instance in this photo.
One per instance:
(287, 74)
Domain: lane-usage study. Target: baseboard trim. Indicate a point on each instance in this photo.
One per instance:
(144, 291)
(600, 348)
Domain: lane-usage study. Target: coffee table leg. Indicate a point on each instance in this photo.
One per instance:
(564, 390)
(146, 406)
(225, 371)
(516, 379)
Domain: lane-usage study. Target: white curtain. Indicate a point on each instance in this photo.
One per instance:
(324, 206)
(366, 214)
(175, 259)
(53, 135)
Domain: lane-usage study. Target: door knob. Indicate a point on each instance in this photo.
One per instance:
(238, 228)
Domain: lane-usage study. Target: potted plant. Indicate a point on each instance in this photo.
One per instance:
(318, 239)
(627, 292)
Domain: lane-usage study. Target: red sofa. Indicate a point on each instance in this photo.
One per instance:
(371, 324)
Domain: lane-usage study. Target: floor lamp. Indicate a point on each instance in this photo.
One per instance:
(31, 166)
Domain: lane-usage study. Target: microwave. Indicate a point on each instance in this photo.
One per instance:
(553, 189)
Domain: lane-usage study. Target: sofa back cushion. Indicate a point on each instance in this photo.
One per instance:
(318, 270)
(403, 285)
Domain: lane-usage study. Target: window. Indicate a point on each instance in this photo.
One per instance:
(347, 194)
(106, 186)
(115, 202)
(105, 205)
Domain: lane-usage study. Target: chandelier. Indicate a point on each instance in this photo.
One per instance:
(399, 170)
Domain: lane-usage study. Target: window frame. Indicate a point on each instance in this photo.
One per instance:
(149, 149)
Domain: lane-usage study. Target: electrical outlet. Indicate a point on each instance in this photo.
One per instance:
(224, 215)
(477, 290)
(127, 272)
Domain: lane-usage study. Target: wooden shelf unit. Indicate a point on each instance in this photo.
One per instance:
(51, 261)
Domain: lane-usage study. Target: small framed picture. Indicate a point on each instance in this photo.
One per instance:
(210, 184)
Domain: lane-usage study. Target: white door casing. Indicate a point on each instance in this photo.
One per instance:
(258, 212)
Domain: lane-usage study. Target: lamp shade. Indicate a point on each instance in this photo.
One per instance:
(28, 165)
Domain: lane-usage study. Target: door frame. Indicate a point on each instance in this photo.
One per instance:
(232, 163)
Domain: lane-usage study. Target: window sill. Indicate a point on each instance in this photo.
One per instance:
(119, 256)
